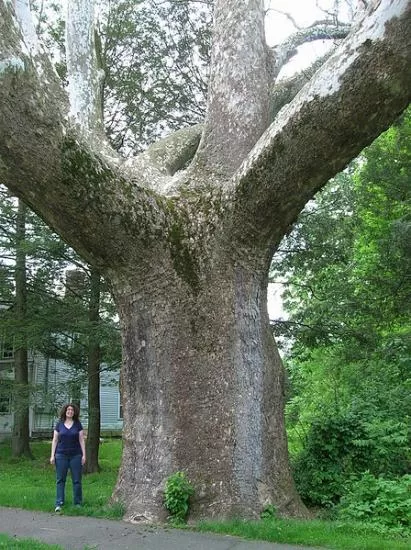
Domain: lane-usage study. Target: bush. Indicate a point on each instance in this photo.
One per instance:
(177, 493)
(337, 447)
(378, 501)
(330, 455)
(269, 512)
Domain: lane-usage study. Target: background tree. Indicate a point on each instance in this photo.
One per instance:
(20, 323)
(94, 345)
(7, 294)
(20, 441)
(93, 378)
(155, 57)
(348, 268)
(186, 245)
(45, 317)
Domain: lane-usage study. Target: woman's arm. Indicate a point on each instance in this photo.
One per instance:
(53, 446)
(83, 446)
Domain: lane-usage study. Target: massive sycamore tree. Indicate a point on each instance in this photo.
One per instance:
(186, 230)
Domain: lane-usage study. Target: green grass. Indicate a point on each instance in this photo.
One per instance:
(30, 484)
(327, 534)
(10, 543)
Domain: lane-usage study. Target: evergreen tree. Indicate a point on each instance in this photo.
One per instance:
(44, 317)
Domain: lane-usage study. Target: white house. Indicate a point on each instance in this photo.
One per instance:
(52, 386)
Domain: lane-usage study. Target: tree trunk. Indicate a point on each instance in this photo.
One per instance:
(203, 384)
(21, 430)
(20, 441)
(93, 431)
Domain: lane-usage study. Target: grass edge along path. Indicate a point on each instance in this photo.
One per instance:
(326, 534)
(12, 543)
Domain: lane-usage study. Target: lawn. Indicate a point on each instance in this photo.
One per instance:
(11, 543)
(326, 534)
(30, 484)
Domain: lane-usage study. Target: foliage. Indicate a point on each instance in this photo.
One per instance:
(269, 512)
(57, 323)
(347, 261)
(347, 266)
(382, 502)
(177, 493)
(328, 456)
(336, 447)
(155, 56)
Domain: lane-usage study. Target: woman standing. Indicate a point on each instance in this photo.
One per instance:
(68, 452)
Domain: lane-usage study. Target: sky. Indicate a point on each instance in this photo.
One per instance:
(278, 27)
(304, 12)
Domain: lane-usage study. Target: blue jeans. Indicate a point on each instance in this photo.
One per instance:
(65, 463)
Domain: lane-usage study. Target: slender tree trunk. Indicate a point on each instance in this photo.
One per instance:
(21, 430)
(93, 432)
(203, 383)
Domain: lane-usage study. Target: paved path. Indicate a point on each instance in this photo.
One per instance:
(75, 533)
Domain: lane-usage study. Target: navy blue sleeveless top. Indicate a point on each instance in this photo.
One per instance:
(69, 442)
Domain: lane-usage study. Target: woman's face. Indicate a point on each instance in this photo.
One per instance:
(69, 412)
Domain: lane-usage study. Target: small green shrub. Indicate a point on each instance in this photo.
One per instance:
(177, 493)
(378, 501)
(269, 512)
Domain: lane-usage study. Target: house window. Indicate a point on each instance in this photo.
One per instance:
(120, 408)
(5, 404)
(7, 350)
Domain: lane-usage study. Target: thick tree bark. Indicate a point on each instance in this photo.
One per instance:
(203, 384)
(20, 441)
(93, 372)
(238, 109)
(187, 251)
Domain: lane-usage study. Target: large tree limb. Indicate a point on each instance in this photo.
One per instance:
(80, 186)
(84, 87)
(238, 93)
(174, 151)
(353, 98)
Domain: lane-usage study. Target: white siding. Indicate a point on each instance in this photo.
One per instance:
(50, 379)
(6, 418)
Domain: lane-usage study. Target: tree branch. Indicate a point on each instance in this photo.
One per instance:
(287, 15)
(364, 85)
(320, 30)
(285, 91)
(238, 97)
(23, 15)
(176, 150)
(83, 76)
(85, 194)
